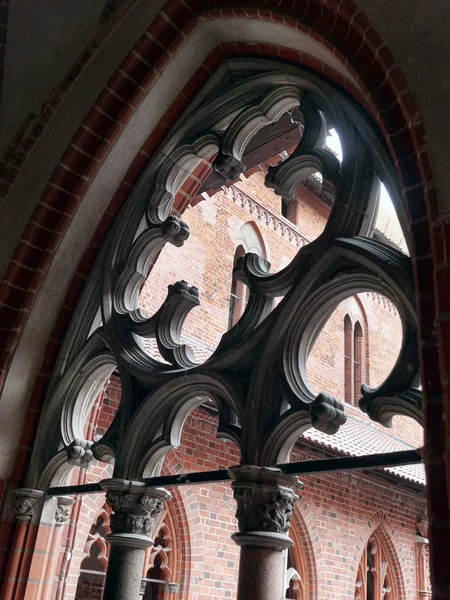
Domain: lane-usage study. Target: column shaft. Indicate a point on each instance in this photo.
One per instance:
(135, 508)
(265, 501)
(261, 574)
(123, 580)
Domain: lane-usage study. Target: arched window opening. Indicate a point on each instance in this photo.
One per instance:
(155, 584)
(358, 361)
(91, 579)
(239, 293)
(375, 578)
(348, 359)
(295, 588)
(158, 582)
(372, 574)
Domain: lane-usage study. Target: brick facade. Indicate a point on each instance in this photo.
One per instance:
(408, 147)
(333, 521)
(337, 514)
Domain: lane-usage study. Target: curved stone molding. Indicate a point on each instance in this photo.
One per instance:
(167, 323)
(257, 375)
(146, 442)
(171, 170)
(141, 257)
(247, 123)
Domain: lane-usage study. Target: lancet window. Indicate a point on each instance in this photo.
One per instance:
(354, 360)
(375, 579)
(239, 293)
(95, 561)
(158, 583)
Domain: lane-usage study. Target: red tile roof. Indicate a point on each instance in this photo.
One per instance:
(359, 436)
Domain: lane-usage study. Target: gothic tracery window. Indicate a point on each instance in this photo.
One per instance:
(295, 585)
(95, 561)
(161, 561)
(375, 579)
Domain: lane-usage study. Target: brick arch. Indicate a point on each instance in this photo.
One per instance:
(380, 524)
(338, 26)
(186, 514)
(305, 536)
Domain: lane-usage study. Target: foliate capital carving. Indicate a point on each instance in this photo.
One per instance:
(265, 499)
(63, 507)
(25, 502)
(135, 506)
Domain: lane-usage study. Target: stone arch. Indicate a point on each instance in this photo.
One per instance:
(53, 348)
(381, 525)
(144, 450)
(372, 40)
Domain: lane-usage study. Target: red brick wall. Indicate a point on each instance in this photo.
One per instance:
(89, 589)
(337, 512)
(333, 521)
(206, 260)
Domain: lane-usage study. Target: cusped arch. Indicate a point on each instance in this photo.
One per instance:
(156, 427)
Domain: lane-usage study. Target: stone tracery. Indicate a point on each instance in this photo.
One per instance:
(260, 363)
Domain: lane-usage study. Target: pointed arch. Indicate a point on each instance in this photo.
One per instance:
(306, 550)
(348, 358)
(252, 240)
(358, 360)
(380, 529)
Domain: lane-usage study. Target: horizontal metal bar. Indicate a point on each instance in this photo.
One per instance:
(306, 467)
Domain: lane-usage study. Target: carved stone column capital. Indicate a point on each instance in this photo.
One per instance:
(135, 508)
(265, 502)
(25, 502)
(63, 506)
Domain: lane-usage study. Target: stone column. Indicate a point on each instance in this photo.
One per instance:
(265, 502)
(135, 507)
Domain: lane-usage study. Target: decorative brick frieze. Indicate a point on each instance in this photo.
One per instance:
(256, 208)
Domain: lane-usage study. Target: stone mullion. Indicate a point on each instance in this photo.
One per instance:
(135, 508)
(265, 502)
